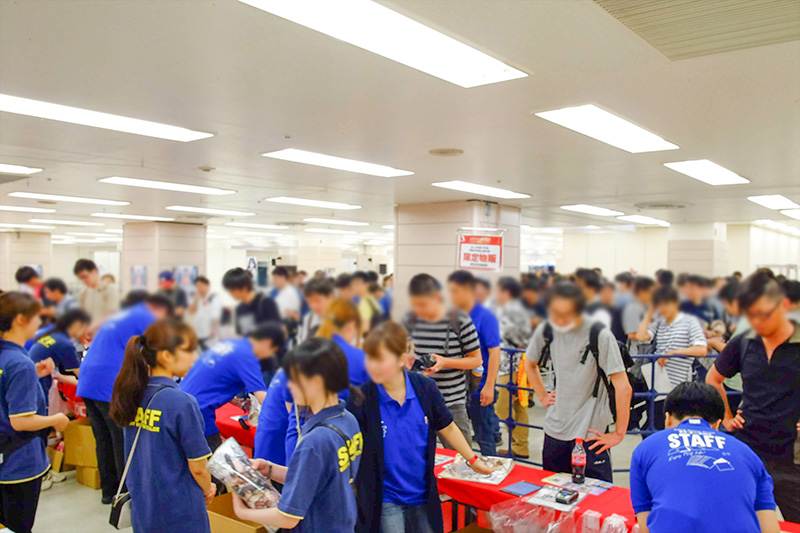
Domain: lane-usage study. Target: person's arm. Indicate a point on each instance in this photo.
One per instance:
(22, 391)
(699, 350)
(767, 519)
(270, 470)
(641, 518)
(716, 343)
(64, 378)
(470, 361)
(643, 333)
(457, 440)
(34, 422)
(623, 393)
(537, 384)
(203, 479)
(269, 517)
(260, 395)
(730, 422)
(487, 393)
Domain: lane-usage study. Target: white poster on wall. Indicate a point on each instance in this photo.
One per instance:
(138, 277)
(480, 252)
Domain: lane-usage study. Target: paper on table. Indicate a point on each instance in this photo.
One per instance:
(592, 486)
(662, 382)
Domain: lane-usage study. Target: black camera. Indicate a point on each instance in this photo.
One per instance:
(423, 362)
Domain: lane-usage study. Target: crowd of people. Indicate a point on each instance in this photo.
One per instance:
(353, 396)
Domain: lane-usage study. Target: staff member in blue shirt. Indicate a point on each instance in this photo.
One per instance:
(167, 480)
(226, 369)
(58, 345)
(99, 369)
(273, 421)
(691, 477)
(399, 418)
(317, 493)
(24, 423)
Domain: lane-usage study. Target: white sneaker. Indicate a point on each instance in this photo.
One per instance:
(47, 481)
(57, 477)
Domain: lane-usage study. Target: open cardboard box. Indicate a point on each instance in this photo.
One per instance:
(57, 463)
(79, 444)
(223, 520)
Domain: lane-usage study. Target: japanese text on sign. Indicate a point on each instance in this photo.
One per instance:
(479, 252)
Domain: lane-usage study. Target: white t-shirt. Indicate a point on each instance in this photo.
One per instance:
(209, 309)
(288, 299)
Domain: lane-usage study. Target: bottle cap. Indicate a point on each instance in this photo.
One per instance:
(578, 441)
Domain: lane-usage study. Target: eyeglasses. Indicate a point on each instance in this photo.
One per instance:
(762, 315)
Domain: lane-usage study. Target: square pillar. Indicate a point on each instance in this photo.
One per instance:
(698, 249)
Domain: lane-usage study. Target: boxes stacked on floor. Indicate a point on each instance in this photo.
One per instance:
(223, 520)
(79, 450)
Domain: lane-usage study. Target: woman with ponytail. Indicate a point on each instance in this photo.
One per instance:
(168, 481)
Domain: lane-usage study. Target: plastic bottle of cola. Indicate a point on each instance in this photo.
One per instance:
(578, 462)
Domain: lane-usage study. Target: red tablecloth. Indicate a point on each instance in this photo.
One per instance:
(228, 427)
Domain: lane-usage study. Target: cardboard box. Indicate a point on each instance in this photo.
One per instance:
(57, 463)
(223, 520)
(473, 528)
(79, 444)
(88, 476)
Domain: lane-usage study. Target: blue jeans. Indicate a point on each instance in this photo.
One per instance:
(404, 518)
(484, 423)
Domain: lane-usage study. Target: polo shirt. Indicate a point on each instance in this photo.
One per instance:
(39, 332)
(20, 395)
(57, 346)
(356, 369)
(405, 438)
(488, 335)
(164, 494)
(770, 392)
(683, 332)
(99, 301)
(694, 478)
(222, 372)
(270, 439)
(104, 357)
(318, 489)
(702, 311)
(209, 310)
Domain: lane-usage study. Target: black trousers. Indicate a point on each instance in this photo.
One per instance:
(557, 457)
(18, 503)
(110, 448)
(786, 478)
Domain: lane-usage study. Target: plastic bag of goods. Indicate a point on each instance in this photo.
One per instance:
(635, 528)
(505, 515)
(566, 523)
(615, 524)
(231, 465)
(528, 520)
(591, 522)
(253, 411)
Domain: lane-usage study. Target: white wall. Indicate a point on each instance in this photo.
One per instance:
(754, 246)
(643, 250)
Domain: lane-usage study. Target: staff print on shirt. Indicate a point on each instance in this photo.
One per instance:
(148, 420)
(701, 448)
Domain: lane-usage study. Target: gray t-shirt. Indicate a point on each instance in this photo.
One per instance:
(576, 410)
(632, 315)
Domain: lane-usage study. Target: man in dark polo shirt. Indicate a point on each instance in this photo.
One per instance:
(768, 358)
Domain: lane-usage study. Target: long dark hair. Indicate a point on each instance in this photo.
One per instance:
(320, 357)
(16, 303)
(65, 321)
(141, 355)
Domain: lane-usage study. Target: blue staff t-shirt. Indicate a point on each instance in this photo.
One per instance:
(318, 489)
(220, 374)
(164, 494)
(57, 346)
(270, 439)
(355, 364)
(20, 395)
(694, 478)
(405, 441)
(104, 357)
(41, 331)
(488, 334)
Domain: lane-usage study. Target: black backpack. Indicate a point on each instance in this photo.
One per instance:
(594, 348)
(616, 325)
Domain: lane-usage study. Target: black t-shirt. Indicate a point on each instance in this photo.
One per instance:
(177, 296)
(771, 392)
(260, 310)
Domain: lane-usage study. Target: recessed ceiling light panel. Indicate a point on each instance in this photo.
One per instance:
(592, 210)
(255, 225)
(336, 222)
(20, 209)
(791, 213)
(312, 203)
(132, 217)
(481, 190)
(18, 170)
(331, 231)
(707, 172)
(647, 221)
(208, 211)
(63, 198)
(165, 186)
(338, 163)
(773, 201)
(58, 222)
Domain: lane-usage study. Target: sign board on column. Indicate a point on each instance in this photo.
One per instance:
(480, 252)
(184, 278)
(138, 277)
(252, 266)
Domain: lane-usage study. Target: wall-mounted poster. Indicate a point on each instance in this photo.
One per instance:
(184, 278)
(252, 266)
(480, 252)
(138, 277)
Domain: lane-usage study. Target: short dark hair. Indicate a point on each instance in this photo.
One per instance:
(56, 284)
(25, 274)
(272, 331)
(319, 357)
(374, 287)
(665, 278)
(134, 297)
(532, 284)
(462, 277)
(343, 281)
(792, 290)
(483, 281)
(760, 283)
(280, 271)
(683, 279)
(160, 301)
(237, 278)
(302, 273)
(82, 265)
(321, 286)
(692, 398)
(568, 291)
(423, 285)
(664, 295)
(202, 279)
(730, 290)
(360, 274)
(695, 279)
(589, 277)
(626, 278)
(642, 283)
(510, 285)
(68, 318)
(372, 276)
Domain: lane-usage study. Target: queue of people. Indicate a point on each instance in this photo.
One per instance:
(338, 381)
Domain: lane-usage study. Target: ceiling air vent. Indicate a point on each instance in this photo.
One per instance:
(660, 205)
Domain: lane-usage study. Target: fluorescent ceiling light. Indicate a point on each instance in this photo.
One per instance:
(259, 233)
(311, 203)
(113, 231)
(207, 211)
(335, 221)
(165, 186)
(19, 209)
(779, 226)
(377, 243)
(18, 169)
(110, 239)
(77, 241)
(707, 172)
(25, 226)
(62, 198)
(56, 222)
(773, 201)
(592, 210)
(95, 119)
(255, 225)
(641, 219)
(388, 226)
(217, 236)
(476, 228)
(333, 231)
(483, 190)
(338, 163)
(132, 217)
(592, 227)
(380, 30)
(80, 234)
(792, 213)
(606, 127)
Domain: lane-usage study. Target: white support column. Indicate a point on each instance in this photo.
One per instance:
(698, 249)
(20, 249)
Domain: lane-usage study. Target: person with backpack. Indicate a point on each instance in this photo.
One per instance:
(206, 312)
(590, 383)
(368, 307)
(591, 283)
(254, 308)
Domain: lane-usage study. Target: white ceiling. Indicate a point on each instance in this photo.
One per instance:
(261, 83)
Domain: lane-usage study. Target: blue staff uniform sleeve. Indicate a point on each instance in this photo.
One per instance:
(641, 498)
(305, 475)
(765, 498)
(65, 356)
(23, 390)
(191, 428)
(250, 374)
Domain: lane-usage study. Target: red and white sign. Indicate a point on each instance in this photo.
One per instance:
(480, 252)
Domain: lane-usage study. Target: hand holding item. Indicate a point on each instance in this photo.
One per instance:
(440, 364)
(45, 368)
(60, 421)
(209, 495)
(481, 467)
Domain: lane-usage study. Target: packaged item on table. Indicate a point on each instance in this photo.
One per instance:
(615, 524)
(566, 523)
(590, 522)
(557, 498)
(460, 469)
(253, 411)
(508, 516)
(635, 528)
(231, 465)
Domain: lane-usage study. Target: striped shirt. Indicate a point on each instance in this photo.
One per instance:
(685, 331)
(441, 338)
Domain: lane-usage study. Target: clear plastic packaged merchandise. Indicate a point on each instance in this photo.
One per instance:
(253, 411)
(231, 465)
(460, 469)
(615, 524)
(590, 522)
